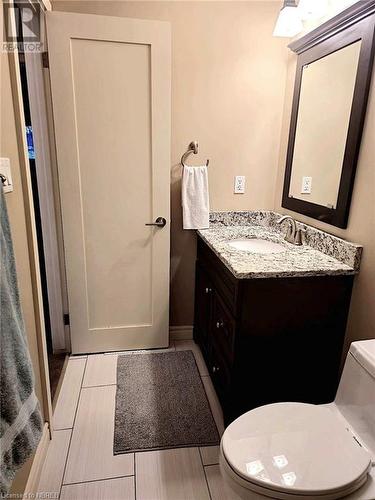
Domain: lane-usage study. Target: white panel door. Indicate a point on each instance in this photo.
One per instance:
(110, 80)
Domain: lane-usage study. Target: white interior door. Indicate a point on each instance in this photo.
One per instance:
(110, 81)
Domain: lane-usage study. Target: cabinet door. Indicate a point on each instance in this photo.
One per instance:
(223, 329)
(203, 309)
(220, 375)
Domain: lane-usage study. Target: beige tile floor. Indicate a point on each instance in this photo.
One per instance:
(80, 463)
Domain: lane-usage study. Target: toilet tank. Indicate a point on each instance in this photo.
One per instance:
(355, 397)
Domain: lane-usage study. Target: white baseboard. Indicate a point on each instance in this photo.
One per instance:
(181, 332)
(38, 462)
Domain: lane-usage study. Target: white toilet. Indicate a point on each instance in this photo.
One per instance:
(300, 451)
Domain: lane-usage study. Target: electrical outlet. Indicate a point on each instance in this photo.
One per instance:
(5, 170)
(306, 185)
(239, 184)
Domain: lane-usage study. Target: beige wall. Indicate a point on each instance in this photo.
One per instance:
(361, 227)
(228, 78)
(15, 204)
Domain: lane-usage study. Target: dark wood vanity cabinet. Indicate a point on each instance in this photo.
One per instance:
(271, 339)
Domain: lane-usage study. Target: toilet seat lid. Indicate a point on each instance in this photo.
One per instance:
(295, 448)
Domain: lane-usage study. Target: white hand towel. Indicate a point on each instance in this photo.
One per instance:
(195, 199)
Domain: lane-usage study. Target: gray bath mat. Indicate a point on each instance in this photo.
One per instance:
(161, 403)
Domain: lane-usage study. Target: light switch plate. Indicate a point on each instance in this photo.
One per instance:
(5, 170)
(239, 184)
(306, 185)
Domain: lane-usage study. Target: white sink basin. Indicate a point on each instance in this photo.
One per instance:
(255, 245)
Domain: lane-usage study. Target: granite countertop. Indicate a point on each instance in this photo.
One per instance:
(337, 258)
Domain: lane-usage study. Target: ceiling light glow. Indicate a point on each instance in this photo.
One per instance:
(289, 22)
(312, 9)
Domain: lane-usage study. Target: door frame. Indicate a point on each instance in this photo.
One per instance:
(48, 195)
(15, 78)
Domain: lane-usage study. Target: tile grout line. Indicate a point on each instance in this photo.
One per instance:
(100, 385)
(135, 478)
(98, 480)
(205, 475)
(74, 421)
(199, 449)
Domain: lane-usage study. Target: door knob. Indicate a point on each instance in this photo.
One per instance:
(160, 222)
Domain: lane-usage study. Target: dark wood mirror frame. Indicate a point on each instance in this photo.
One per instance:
(353, 24)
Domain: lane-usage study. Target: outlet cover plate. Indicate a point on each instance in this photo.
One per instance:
(5, 170)
(239, 184)
(306, 185)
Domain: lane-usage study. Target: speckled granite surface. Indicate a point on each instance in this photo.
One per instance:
(322, 254)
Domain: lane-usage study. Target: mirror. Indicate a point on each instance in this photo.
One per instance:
(327, 118)
(325, 103)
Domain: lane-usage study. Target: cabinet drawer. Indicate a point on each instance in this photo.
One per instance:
(223, 329)
(223, 280)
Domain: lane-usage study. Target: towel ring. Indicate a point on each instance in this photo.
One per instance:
(193, 148)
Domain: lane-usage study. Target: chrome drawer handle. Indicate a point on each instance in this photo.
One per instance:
(208, 290)
(220, 324)
(215, 369)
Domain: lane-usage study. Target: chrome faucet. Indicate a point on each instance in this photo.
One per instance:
(293, 234)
